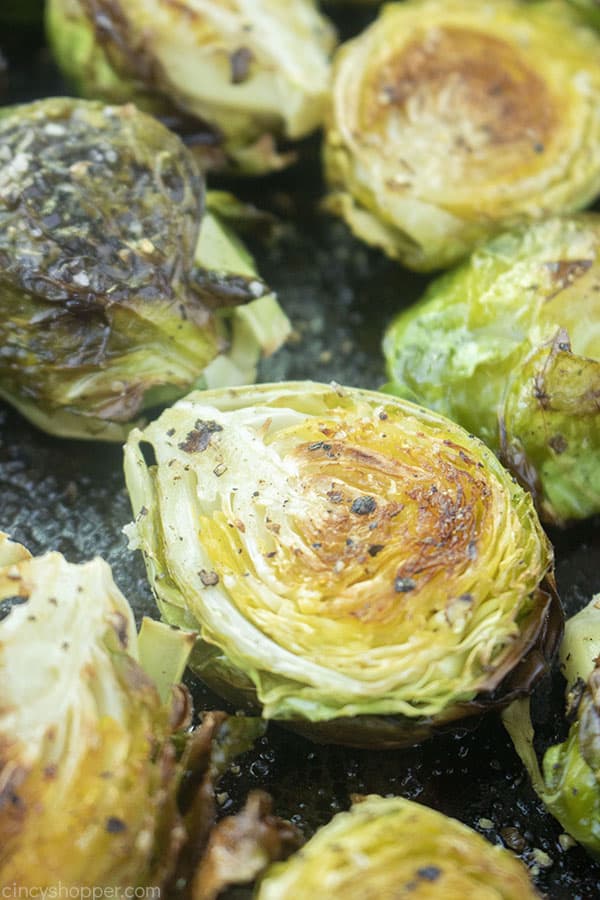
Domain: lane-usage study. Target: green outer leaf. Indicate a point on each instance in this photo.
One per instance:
(218, 247)
(84, 62)
(68, 424)
(572, 792)
(508, 345)
(163, 652)
(255, 329)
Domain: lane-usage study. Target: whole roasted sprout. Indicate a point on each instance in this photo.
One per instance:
(102, 311)
(103, 783)
(451, 121)
(508, 345)
(569, 782)
(392, 847)
(360, 567)
(250, 72)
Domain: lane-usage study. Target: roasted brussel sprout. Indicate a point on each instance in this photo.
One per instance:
(508, 345)
(360, 566)
(249, 71)
(452, 120)
(569, 783)
(392, 847)
(87, 765)
(103, 783)
(104, 311)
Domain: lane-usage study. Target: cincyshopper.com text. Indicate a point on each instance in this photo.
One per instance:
(62, 891)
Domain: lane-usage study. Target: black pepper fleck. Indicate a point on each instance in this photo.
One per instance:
(374, 549)
(558, 443)
(404, 585)
(429, 873)
(363, 506)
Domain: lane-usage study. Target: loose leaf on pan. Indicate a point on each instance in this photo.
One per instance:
(451, 121)
(508, 344)
(392, 847)
(248, 72)
(359, 566)
(241, 847)
(103, 783)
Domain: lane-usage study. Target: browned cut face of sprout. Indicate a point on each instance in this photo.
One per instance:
(392, 847)
(450, 121)
(351, 561)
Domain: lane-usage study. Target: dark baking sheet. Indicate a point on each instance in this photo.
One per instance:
(70, 496)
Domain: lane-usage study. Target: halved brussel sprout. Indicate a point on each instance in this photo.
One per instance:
(95, 743)
(357, 566)
(451, 121)
(243, 74)
(392, 847)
